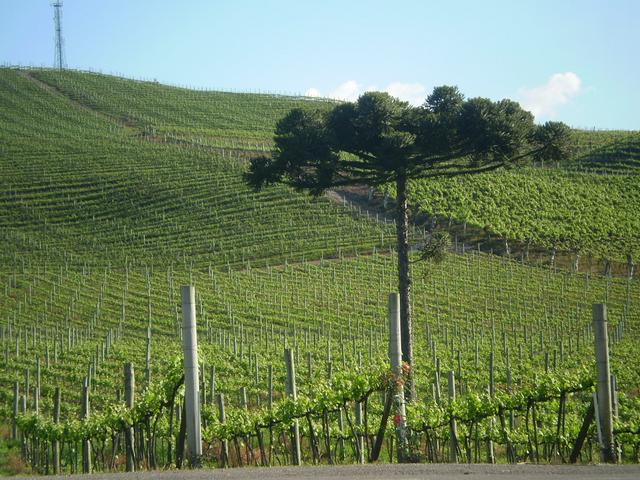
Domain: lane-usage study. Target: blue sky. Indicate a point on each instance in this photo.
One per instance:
(575, 61)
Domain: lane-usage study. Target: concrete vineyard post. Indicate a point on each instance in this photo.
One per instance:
(147, 371)
(615, 402)
(491, 458)
(291, 391)
(16, 397)
(212, 384)
(437, 381)
(86, 444)
(270, 386)
(453, 433)
(26, 382)
(224, 454)
(357, 410)
(38, 374)
(129, 392)
(191, 395)
(203, 385)
(23, 437)
(603, 387)
(35, 444)
(56, 443)
(270, 400)
(395, 357)
(243, 398)
(616, 407)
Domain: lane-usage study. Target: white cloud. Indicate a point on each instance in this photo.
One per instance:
(414, 93)
(312, 92)
(543, 100)
(349, 90)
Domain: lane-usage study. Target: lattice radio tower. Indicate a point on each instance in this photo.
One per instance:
(59, 62)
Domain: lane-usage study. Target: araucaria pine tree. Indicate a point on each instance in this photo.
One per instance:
(379, 140)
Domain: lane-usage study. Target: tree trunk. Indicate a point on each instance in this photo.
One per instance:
(377, 446)
(582, 435)
(607, 267)
(181, 437)
(404, 281)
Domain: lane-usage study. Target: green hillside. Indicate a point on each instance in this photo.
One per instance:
(589, 213)
(80, 186)
(115, 192)
(586, 205)
(220, 119)
(605, 151)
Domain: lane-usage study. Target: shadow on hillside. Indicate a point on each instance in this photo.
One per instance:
(619, 157)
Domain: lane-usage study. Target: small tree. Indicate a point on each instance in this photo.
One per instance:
(379, 140)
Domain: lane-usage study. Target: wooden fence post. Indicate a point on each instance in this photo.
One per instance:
(191, 377)
(599, 312)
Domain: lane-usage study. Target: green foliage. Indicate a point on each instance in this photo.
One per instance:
(323, 397)
(114, 417)
(556, 137)
(436, 246)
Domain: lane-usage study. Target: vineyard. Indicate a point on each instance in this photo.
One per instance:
(551, 208)
(114, 193)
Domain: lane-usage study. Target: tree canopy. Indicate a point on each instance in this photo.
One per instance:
(379, 137)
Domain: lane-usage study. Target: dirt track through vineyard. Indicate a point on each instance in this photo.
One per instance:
(379, 472)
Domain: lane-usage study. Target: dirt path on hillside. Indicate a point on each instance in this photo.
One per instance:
(59, 93)
(466, 238)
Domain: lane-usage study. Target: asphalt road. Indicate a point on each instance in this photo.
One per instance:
(379, 472)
